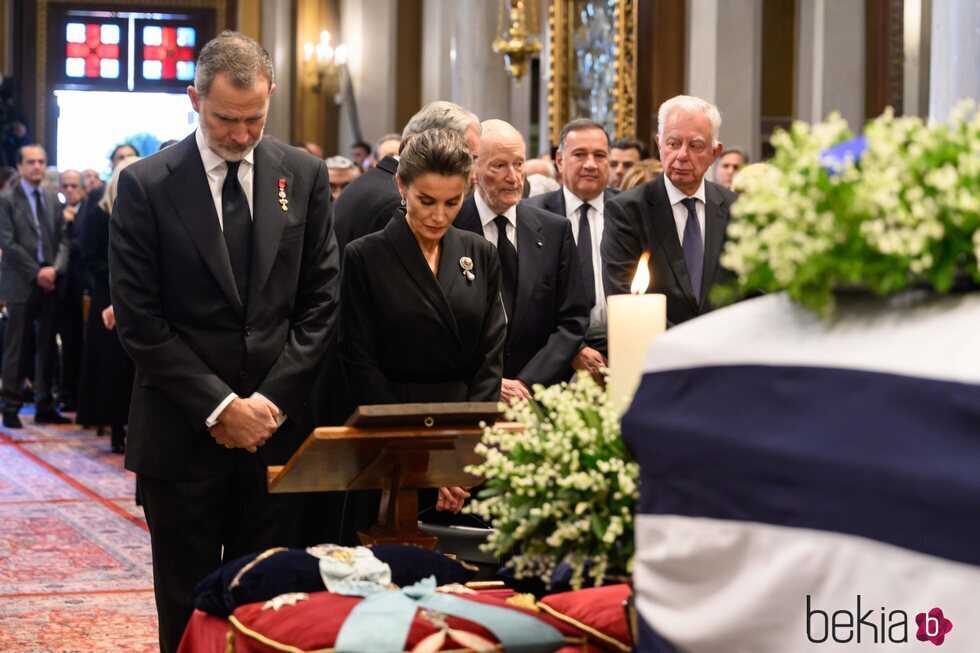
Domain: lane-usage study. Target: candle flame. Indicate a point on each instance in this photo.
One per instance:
(641, 280)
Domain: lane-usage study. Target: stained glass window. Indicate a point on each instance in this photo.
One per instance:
(168, 52)
(129, 50)
(92, 50)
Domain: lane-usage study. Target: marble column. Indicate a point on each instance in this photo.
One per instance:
(478, 79)
(437, 50)
(830, 60)
(277, 37)
(369, 28)
(725, 65)
(955, 55)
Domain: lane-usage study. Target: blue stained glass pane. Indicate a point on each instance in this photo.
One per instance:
(152, 35)
(110, 34)
(109, 68)
(75, 32)
(186, 37)
(152, 69)
(185, 71)
(75, 67)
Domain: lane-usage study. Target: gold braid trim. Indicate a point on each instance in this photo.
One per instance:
(589, 629)
(286, 648)
(230, 641)
(279, 646)
(268, 553)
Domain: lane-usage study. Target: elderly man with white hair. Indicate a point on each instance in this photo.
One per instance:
(679, 218)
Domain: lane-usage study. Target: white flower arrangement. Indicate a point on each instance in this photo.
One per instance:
(907, 213)
(562, 490)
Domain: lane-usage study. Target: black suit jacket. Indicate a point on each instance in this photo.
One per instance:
(367, 203)
(641, 220)
(554, 202)
(18, 242)
(550, 313)
(407, 335)
(179, 314)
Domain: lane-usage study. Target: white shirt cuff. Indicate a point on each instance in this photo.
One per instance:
(282, 416)
(213, 417)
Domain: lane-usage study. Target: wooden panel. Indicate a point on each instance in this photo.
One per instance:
(778, 57)
(661, 61)
(250, 18)
(315, 115)
(884, 56)
(408, 63)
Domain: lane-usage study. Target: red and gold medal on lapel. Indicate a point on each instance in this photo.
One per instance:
(283, 202)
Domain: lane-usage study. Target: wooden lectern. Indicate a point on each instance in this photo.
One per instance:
(397, 448)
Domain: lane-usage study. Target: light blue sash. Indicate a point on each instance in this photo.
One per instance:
(380, 623)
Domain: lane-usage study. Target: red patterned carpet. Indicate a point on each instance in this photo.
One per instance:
(75, 573)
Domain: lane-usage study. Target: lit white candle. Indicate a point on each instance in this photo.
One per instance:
(634, 320)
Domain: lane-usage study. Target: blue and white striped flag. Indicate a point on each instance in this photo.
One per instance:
(809, 485)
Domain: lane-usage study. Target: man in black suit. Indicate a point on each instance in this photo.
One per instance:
(72, 187)
(541, 279)
(678, 217)
(583, 163)
(372, 198)
(34, 243)
(224, 280)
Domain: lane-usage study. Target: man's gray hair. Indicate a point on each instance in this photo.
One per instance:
(441, 115)
(689, 104)
(237, 56)
(340, 163)
(576, 125)
(64, 173)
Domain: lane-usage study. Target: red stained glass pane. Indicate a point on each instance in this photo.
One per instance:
(168, 53)
(93, 51)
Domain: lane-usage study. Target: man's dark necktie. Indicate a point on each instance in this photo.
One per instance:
(44, 252)
(585, 254)
(693, 246)
(237, 228)
(508, 265)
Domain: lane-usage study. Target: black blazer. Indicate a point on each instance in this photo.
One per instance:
(550, 313)
(555, 200)
(18, 242)
(640, 220)
(179, 315)
(407, 335)
(367, 203)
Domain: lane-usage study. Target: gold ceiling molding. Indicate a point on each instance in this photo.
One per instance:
(619, 112)
(41, 42)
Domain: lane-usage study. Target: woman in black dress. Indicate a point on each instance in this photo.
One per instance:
(421, 317)
(107, 372)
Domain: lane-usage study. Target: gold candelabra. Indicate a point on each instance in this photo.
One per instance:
(516, 43)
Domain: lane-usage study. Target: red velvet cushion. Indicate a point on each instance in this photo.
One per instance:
(597, 613)
(313, 624)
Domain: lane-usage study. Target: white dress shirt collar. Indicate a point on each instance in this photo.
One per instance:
(211, 159)
(676, 196)
(487, 216)
(573, 203)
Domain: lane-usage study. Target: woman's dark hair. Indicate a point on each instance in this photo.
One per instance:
(434, 151)
(119, 147)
